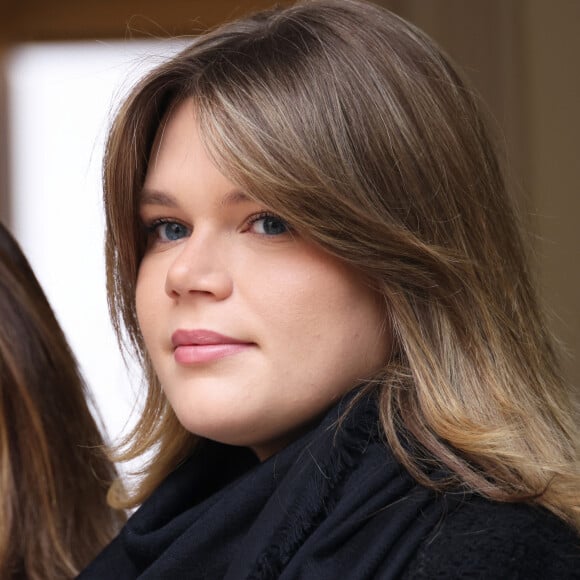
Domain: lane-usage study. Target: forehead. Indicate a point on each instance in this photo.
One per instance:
(180, 158)
(164, 199)
(178, 130)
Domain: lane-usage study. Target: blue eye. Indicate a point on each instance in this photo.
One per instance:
(168, 231)
(269, 225)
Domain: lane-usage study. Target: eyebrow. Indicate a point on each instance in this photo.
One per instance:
(156, 197)
(234, 198)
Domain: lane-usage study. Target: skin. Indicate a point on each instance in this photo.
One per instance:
(218, 261)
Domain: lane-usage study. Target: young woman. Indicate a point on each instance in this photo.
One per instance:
(54, 474)
(311, 247)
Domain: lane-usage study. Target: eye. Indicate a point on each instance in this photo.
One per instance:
(168, 231)
(267, 224)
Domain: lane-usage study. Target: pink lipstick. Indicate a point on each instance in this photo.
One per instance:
(191, 347)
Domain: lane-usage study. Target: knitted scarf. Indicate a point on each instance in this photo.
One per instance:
(334, 504)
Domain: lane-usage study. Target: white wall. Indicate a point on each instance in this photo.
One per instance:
(61, 98)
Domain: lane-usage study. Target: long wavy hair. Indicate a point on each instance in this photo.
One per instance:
(354, 127)
(54, 472)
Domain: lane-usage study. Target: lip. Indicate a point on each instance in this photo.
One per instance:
(191, 347)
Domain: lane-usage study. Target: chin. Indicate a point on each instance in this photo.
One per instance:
(223, 429)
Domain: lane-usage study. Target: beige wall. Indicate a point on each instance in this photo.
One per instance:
(522, 55)
(552, 112)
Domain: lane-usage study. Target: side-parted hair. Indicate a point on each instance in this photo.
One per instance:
(354, 127)
(54, 472)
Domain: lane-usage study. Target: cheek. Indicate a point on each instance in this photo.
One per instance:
(355, 323)
(320, 311)
(280, 293)
(147, 289)
(141, 297)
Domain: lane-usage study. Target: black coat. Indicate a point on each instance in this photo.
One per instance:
(333, 505)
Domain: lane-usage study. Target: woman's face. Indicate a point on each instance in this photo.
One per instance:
(253, 331)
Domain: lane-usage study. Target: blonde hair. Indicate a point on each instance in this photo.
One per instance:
(354, 127)
(54, 472)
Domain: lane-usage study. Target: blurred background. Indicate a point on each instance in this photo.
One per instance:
(65, 65)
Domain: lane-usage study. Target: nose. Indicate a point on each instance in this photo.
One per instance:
(199, 267)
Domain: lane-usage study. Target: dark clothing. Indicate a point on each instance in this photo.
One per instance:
(488, 541)
(333, 505)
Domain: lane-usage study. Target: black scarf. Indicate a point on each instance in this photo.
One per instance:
(334, 504)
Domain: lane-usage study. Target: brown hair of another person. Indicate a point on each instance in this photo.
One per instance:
(54, 472)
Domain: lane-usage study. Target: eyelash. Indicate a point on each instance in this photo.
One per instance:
(266, 214)
(153, 234)
(151, 229)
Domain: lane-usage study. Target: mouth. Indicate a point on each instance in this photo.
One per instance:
(192, 347)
